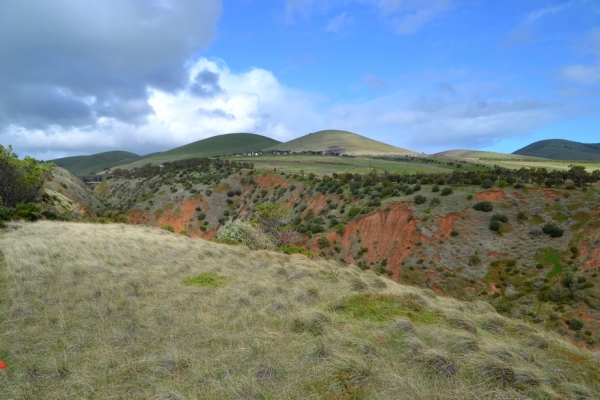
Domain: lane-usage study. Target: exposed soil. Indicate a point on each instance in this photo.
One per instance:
(495, 196)
(549, 193)
(446, 224)
(386, 235)
(271, 180)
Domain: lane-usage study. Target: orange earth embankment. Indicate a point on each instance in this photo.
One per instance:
(495, 196)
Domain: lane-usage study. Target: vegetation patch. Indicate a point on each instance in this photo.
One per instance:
(384, 307)
(207, 279)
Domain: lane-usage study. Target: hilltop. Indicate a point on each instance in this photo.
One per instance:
(214, 146)
(84, 165)
(351, 142)
(116, 311)
(559, 149)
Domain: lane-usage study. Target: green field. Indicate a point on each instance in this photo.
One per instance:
(83, 165)
(321, 165)
(351, 142)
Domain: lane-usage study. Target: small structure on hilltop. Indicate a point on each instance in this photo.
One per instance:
(334, 151)
(278, 152)
(311, 152)
(253, 152)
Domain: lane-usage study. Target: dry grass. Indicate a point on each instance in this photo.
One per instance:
(104, 311)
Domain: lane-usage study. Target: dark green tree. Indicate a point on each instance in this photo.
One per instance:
(21, 181)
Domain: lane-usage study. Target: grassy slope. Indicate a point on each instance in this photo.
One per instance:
(83, 165)
(475, 154)
(103, 311)
(558, 149)
(353, 143)
(213, 146)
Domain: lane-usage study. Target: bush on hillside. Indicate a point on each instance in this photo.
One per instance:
(446, 191)
(420, 199)
(552, 230)
(485, 206)
(487, 184)
(500, 218)
(244, 233)
(21, 181)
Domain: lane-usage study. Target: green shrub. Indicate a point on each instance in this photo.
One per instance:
(552, 230)
(435, 189)
(500, 218)
(244, 233)
(495, 226)
(168, 227)
(454, 233)
(487, 184)
(409, 191)
(574, 324)
(419, 199)
(323, 242)
(201, 216)
(436, 201)
(230, 193)
(522, 216)
(485, 206)
(446, 191)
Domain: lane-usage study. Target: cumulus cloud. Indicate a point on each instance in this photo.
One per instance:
(67, 64)
(252, 101)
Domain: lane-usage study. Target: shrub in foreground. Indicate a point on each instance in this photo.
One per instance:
(243, 232)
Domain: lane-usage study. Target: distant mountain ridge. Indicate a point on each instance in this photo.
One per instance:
(560, 149)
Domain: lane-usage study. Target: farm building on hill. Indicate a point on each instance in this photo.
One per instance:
(278, 152)
(334, 151)
(253, 152)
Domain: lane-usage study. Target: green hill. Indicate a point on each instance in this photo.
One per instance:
(214, 146)
(559, 149)
(83, 165)
(351, 142)
(475, 154)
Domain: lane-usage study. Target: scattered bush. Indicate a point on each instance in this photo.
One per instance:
(323, 242)
(487, 184)
(495, 226)
(419, 199)
(574, 324)
(435, 189)
(552, 230)
(485, 206)
(500, 218)
(446, 191)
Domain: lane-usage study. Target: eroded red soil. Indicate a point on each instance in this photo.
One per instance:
(494, 195)
(271, 180)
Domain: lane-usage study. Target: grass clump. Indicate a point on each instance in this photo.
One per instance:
(380, 308)
(207, 279)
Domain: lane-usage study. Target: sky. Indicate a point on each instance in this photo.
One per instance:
(86, 76)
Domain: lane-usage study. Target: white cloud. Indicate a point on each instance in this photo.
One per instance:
(336, 24)
(582, 74)
(253, 101)
(411, 22)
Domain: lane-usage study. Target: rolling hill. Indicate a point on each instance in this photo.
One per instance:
(559, 149)
(475, 154)
(351, 142)
(83, 165)
(214, 146)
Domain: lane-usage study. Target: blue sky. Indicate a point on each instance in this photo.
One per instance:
(428, 75)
